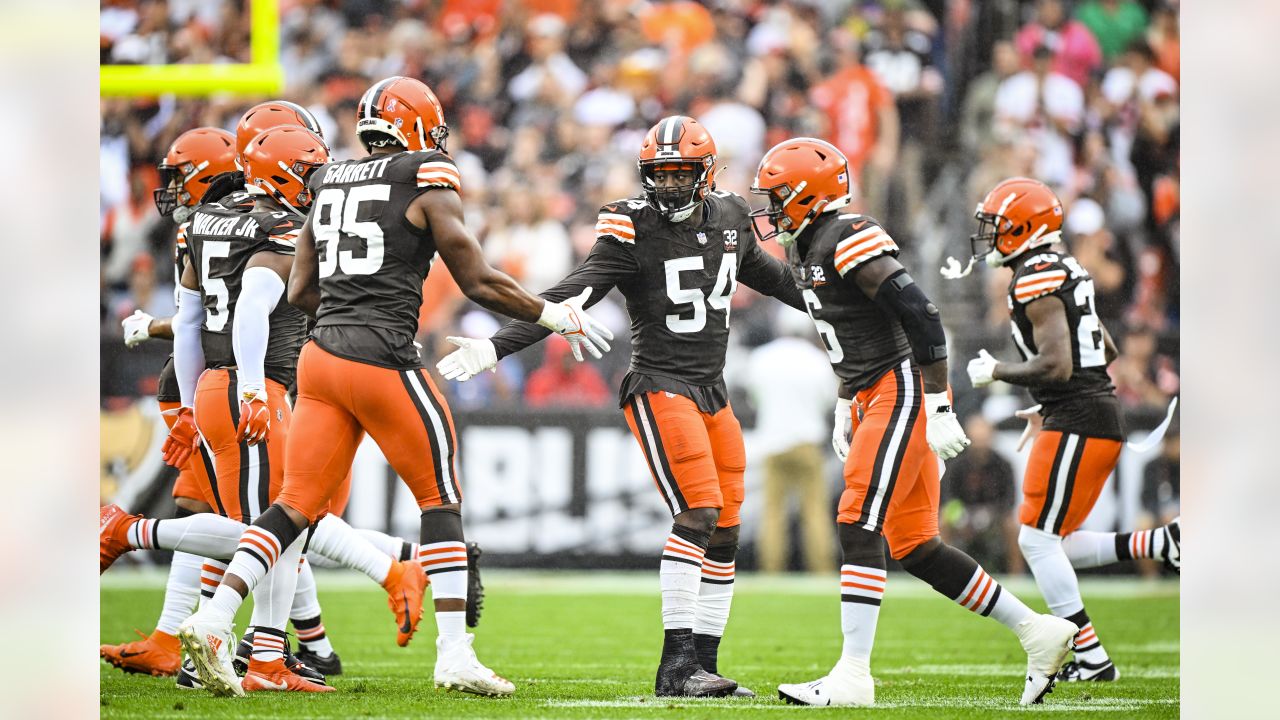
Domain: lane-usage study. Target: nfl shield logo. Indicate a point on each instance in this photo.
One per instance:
(702, 238)
(842, 177)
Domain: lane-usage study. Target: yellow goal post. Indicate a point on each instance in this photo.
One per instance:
(262, 76)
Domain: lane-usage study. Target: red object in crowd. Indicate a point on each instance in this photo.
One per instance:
(563, 381)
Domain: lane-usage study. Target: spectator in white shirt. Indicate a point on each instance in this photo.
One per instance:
(552, 75)
(1049, 108)
(790, 382)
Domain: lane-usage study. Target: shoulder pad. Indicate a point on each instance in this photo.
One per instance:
(1040, 275)
(733, 200)
(281, 229)
(614, 221)
(433, 168)
(182, 234)
(860, 238)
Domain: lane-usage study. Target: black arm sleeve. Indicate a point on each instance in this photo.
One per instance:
(900, 296)
(767, 275)
(609, 264)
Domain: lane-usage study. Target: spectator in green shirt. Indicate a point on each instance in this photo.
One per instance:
(1115, 24)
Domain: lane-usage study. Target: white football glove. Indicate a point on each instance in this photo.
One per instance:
(137, 328)
(946, 437)
(1035, 421)
(982, 369)
(842, 431)
(470, 359)
(575, 325)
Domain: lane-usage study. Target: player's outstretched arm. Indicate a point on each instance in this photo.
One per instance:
(140, 327)
(1052, 362)
(884, 280)
(304, 277)
(606, 266)
(767, 275)
(494, 290)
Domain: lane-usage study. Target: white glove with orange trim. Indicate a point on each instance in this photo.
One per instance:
(580, 329)
(255, 416)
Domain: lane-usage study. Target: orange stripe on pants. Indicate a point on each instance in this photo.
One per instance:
(339, 400)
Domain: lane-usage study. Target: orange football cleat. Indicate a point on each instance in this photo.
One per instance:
(113, 526)
(405, 586)
(274, 676)
(158, 655)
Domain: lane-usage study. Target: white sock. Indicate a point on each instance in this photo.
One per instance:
(1086, 549)
(203, 534)
(1141, 543)
(338, 541)
(256, 547)
(451, 626)
(211, 572)
(861, 591)
(389, 545)
(272, 600)
(985, 596)
(1052, 570)
(305, 613)
(680, 574)
(715, 597)
(181, 592)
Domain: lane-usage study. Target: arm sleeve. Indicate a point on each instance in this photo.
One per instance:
(902, 298)
(768, 275)
(260, 291)
(188, 353)
(609, 264)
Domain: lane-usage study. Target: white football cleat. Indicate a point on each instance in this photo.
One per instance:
(209, 646)
(458, 668)
(1047, 640)
(848, 683)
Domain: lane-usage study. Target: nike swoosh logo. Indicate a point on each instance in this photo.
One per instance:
(406, 628)
(124, 654)
(272, 685)
(1041, 266)
(859, 225)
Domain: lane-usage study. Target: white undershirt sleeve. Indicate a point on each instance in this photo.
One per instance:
(260, 291)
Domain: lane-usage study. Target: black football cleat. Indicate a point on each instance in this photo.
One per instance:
(325, 665)
(475, 588)
(240, 661)
(707, 648)
(1081, 671)
(302, 670)
(187, 677)
(680, 675)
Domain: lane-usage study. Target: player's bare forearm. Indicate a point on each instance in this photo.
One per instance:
(1109, 346)
(441, 210)
(304, 276)
(161, 328)
(935, 376)
(1052, 362)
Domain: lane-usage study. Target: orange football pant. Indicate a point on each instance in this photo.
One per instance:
(1065, 475)
(697, 459)
(246, 478)
(338, 401)
(891, 480)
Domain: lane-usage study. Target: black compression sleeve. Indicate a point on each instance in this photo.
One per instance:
(920, 319)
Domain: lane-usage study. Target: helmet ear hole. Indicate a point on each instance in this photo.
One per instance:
(806, 200)
(1017, 231)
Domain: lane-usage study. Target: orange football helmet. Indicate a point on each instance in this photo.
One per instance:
(402, 111)
(193, 160)
(1018, 214)
(677, 142)
(280, 160)
(802, 178)
(267, 115)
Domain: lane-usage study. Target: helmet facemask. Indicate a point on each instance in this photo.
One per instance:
(984, 241)
(677, 202)
(172, 197)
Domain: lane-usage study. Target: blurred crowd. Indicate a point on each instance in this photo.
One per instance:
(933, 101)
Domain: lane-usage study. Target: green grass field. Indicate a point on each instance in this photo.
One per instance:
(585, 645)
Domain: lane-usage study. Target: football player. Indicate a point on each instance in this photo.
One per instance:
(333, 540)
(887, 346)
(1065, 352)
(191, 163)
(676, 253)
(363, 254)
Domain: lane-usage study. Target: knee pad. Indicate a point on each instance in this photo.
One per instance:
(1037, 543)
(860, 546)
(441, 525)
